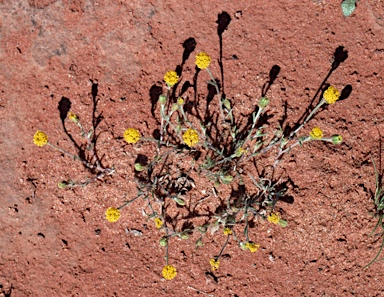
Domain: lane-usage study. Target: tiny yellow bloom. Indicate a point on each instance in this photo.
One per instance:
(274, 218)
(171, 78)
(169, 272)
(203, 60)
(316, 133)
(215, 264)
(73, 117)
(240, 151)
(40, 138)
(112, 214)
(191, 137)
(227, 231)
(131, 135)
(180, 101)
(331, 95)
(252, 247)
(158, 223)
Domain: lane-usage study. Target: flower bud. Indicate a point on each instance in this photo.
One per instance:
(227, 179)
(337, 139)
(243, 246)
(184, 235)
(239, 152)
(227, 104)
(202, 229)
(164, 241)
(263, 102)
(162, 99)
(62, 185)
(139, 167)
(179, 201)
(282, 223)
(199, 243)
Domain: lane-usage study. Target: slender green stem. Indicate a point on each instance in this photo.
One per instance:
(255, 120)
(75, 157)
(214, 83)
(90, 147)
(282, 152)
(130, 201)
(222, 249)
(377, 255)
(321, 103)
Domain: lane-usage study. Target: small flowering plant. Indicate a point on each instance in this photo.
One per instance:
(91, 162)
(219, 147)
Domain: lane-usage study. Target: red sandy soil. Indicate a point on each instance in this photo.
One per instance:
(57, 242)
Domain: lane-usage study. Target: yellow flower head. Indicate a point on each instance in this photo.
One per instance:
(191, 137)
(227, 231)
(171, 78)
(40, 138)
(331, 95)
(169, 272)
(158, 223)
(274, 218)
(180, 101)
(215, 264)
(252, 247)
(112, 214)
(131, 135)
(73, 117)
(203, 60)
(316, 133)
(240, 151)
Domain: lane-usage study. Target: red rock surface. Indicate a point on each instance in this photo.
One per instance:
(57, 242)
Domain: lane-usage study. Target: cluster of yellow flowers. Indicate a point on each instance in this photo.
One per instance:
(274, 218)
(158, 223)
(191, 137)
(316, 133)
(171, 78)
(331, 95)
(251, 246)
(215, 264)
(169, 272)
(112, 214)
(203, 60)
(131, 135)
(40, 138)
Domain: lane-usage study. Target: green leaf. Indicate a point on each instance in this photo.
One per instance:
(348, 7)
